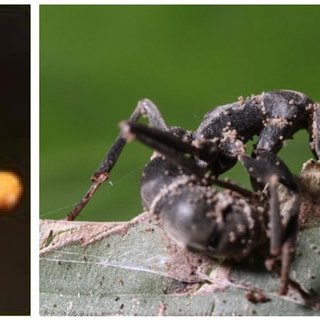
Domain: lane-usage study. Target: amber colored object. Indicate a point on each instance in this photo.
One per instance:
(10, 191)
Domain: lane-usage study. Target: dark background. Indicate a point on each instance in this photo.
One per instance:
(14, 156)
(98, 61)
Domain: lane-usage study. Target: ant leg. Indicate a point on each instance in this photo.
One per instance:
(233, 187)
(144, 108)
(275, 218)
(283, 242)
(166, 143)
(289, 242)
(152, 136)
(270, 169)
(173, 145)
(270, 140)
(315, 130)
(267, 164)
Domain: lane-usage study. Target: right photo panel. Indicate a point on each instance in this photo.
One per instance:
(179, 160)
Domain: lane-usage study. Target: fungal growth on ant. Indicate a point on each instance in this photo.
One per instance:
(177, 182)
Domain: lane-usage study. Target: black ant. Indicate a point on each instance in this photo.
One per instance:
(177, 182)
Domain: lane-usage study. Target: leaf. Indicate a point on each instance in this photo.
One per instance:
(103, 269)
(134, 269)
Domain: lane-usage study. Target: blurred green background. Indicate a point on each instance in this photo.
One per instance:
(98, 61)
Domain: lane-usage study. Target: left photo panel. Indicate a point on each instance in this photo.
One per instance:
(15, 159)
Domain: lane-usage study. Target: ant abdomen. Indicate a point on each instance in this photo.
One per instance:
(218, 224)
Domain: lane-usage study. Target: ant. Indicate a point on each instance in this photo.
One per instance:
(177, 182)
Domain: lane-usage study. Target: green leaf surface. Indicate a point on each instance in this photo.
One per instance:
(133, 268)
